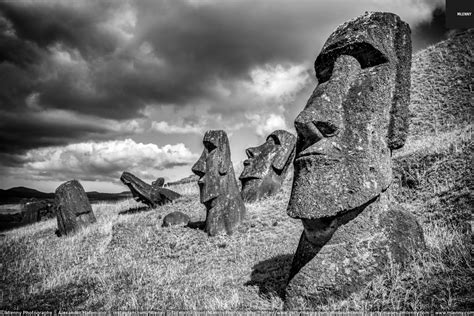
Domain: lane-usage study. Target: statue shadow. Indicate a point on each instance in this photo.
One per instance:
(199, 225)
(135, 210)
(271, 275)
(64, 297)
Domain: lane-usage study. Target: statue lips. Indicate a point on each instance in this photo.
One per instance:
(324, 152)
(250, 172)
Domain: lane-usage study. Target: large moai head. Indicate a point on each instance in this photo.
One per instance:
(217, 184)
(356, 116)
(267, 165)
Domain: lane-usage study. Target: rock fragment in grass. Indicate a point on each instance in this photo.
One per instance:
(175, 219)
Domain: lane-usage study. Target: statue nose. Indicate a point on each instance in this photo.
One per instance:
(311, 131)
(250, 152)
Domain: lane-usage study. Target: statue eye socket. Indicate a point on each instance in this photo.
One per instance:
(272, 139)
(209, 146)
(328, 129)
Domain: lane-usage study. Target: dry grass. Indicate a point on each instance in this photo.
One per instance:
(131, 262)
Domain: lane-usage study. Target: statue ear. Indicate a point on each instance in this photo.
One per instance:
(282, 158)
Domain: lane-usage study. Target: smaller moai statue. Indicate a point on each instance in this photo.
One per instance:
(267, 166)
(217, 184)
(73, 210)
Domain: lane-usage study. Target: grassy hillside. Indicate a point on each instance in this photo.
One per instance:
(434, 170)
(127, 262)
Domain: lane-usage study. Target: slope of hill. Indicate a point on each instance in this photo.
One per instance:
(442, 86)
(130, 262)
(434, 169)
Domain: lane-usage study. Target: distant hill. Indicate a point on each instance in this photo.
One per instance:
(17, 194)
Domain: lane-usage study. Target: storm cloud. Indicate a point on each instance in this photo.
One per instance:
(81, 71)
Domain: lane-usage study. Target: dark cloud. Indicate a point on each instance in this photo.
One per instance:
(108, 60)
(430, 31)
(77, 26)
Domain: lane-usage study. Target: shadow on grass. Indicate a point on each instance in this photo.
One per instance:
(70, 296)
(200, 225)
(135, 210)
(271, 275)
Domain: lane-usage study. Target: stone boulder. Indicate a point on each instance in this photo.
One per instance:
(175, 219)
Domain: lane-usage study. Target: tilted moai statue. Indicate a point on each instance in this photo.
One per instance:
(151, 195)
(73, 210)
(356, 116)
(218, 186)
(267, 165)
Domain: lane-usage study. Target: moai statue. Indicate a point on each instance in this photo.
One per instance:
(356, 116)
(73, 210)
(218, 186)
(267, 165)
(151, 195)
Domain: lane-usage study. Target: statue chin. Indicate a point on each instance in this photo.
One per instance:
(256, 188)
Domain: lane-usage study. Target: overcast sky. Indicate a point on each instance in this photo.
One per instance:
(89, 89)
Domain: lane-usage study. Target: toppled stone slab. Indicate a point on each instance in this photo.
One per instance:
(73, 210)
(151, 195)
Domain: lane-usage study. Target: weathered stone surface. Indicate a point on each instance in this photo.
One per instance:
(175, 219)
(73, 210)
(355, 117)
(159, 182)
(267, 165)
(217, 184)
(375, 239)
(151, 195)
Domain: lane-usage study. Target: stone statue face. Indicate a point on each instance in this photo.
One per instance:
(266, 166)
(353, 119)
(212, 167)
(218, 186)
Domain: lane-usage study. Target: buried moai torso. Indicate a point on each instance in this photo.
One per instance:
(217, 185)
(267, 165)
(73, 209)
(355, 117)
(151, 195)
